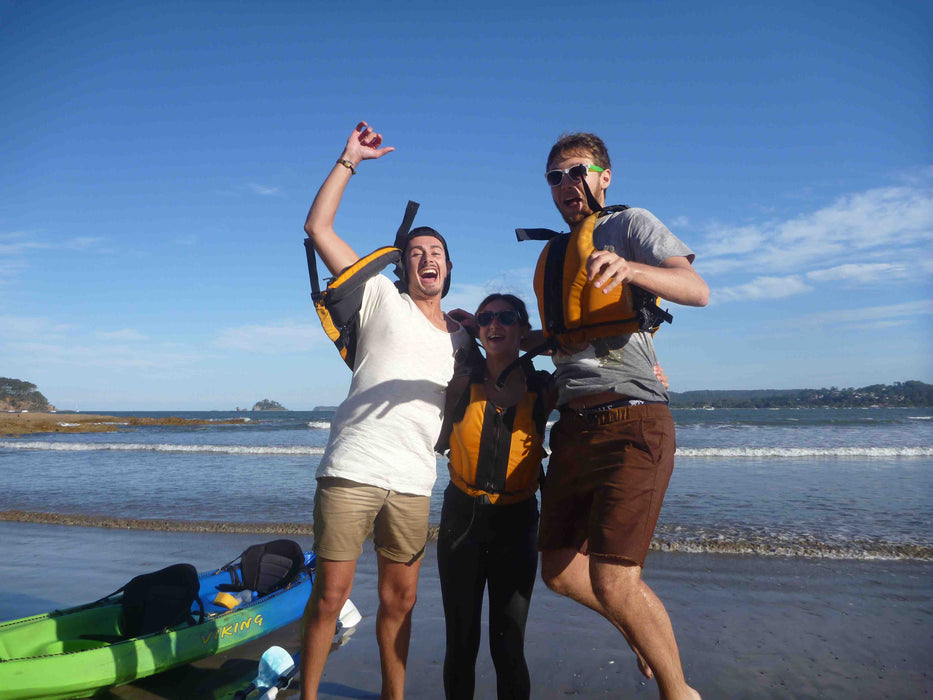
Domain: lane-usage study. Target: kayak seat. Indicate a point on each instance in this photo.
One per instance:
(155, 602)
(159, 600)
(265, 568)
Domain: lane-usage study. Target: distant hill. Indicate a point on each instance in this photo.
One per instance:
(17, 395)
(900, 394)
(267, 405)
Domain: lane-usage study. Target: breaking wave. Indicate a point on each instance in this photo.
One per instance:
(160, 447)
(881, 452)
(806, 547)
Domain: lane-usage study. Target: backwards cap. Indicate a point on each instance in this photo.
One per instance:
(403, 238)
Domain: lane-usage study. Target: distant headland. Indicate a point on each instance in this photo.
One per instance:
(17, 395)
(912, 394)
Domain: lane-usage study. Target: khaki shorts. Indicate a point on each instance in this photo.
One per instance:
(345, 512)
(606, 480)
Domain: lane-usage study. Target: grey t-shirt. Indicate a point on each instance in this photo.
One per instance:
(622, 364)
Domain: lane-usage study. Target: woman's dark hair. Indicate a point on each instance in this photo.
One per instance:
(517, 305)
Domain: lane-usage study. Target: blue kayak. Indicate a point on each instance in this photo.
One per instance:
(156, 622)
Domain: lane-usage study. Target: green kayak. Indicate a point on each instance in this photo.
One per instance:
(76, 652)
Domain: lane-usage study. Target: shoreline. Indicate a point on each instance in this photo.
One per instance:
(855, 551)
(746, 627)
(14, 424)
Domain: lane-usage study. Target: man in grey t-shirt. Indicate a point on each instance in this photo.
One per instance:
(612, 451)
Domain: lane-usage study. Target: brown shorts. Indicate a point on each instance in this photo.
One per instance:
(606, 480)
(345, 512)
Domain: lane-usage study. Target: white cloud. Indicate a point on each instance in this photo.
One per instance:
(82, 242)
(108, 356)
(19, 243)
(878, 315)
(762, 288)
(42, 342)
(263, 190)
(282, 337)
(859, 273)
(865, 225)
(10, 269)
(125, 335)
(733, 242)
(27, 328)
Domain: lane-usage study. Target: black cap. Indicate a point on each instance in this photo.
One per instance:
(400, 268)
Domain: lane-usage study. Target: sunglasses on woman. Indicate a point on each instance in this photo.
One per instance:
(506, 318)
(574, 172)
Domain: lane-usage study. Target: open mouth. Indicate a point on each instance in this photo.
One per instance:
(573, 201)
(428, 274)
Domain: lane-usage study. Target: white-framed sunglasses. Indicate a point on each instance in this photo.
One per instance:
(575, 172)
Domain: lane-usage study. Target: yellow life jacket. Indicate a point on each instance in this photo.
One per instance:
(571, 308)
(498, 453)
(338, 305)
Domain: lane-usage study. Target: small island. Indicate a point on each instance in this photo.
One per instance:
(268, 405)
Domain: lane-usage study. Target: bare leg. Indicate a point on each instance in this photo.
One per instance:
(398, 591)
(333, 581)
(634, 606)
(567, 572)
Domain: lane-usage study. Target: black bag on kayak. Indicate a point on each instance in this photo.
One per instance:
(265, 568)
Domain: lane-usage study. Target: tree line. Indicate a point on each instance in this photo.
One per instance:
(910, 394)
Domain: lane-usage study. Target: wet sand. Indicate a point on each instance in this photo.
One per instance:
(748, 627)
(30, 423)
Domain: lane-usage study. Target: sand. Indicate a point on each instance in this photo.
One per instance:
(29, 423)
(748, 627)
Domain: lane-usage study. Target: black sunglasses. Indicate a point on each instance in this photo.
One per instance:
(575, 172)
(506, 318)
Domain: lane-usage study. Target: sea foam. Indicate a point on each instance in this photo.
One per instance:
(160, 447)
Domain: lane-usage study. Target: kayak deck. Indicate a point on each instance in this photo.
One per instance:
(75, 652)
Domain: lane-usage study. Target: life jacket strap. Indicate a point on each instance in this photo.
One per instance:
(402, 234)
(312, 269)
(590, 199)
(535, 234)
(524, 361)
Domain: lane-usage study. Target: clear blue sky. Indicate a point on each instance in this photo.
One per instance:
(158, 161)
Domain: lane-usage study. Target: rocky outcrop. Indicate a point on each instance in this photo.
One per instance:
(268, 405)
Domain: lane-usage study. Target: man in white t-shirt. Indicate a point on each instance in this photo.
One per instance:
(378, 469)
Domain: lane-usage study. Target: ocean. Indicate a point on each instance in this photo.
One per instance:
(838, 483)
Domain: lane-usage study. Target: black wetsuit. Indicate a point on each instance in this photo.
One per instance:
(499, 549)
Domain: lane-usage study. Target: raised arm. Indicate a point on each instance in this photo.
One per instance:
(336, 253)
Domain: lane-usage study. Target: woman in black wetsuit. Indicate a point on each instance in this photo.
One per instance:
(489, 521)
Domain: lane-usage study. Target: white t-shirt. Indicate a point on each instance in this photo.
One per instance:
(383, 434)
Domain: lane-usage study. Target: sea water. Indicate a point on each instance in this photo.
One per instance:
(806, 482)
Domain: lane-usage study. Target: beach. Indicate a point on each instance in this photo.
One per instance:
(747, 626)
(794, 551)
